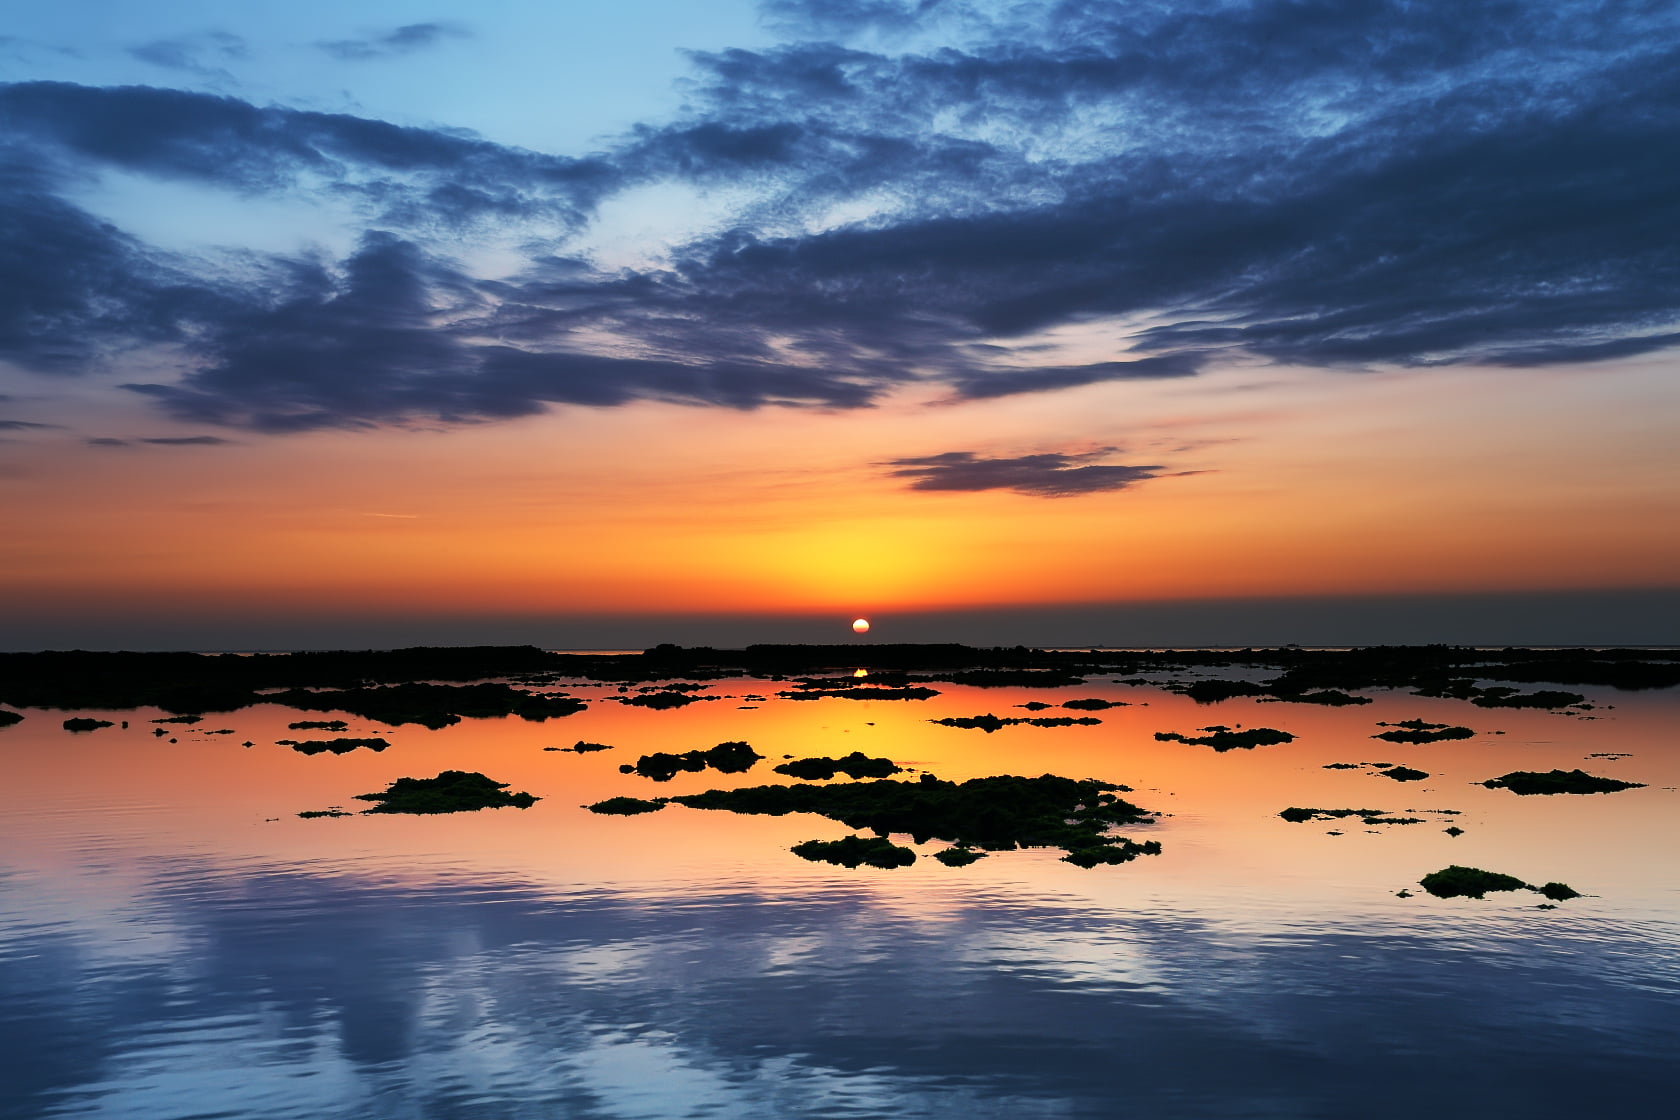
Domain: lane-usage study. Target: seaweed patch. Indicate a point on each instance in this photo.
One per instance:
(853, 851)
(452, 791)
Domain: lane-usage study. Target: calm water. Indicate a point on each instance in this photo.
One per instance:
(175, 942)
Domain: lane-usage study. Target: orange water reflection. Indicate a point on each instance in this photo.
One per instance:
(128, 795)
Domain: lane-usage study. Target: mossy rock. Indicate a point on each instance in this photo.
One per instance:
(855, 765)
(958, 857)
(1468, 882)
(998, 813)
(853, 851)
(662, 766)
(626, 806)
(452, 791)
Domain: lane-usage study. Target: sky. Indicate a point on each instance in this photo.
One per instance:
(1145, 322)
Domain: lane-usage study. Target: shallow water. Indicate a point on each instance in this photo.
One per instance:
(175, 942)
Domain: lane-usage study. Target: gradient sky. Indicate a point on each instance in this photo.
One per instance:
(605, 324)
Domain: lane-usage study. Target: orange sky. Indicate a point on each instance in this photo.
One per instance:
(1275, 483)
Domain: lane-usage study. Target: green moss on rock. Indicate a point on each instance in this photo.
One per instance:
(452, 791)
(1468, 882)
(852, 851)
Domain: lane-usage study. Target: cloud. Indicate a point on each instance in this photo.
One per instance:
(391, 337)
(24, 425)
(200, 54)
(73, 287)
(1047, 475)
(424, 174)
(925, 191)
(398, 41)
(162, 441)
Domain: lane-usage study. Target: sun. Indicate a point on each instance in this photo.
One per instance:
(860, 626)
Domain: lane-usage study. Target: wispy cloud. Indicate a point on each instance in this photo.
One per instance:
(398, 41)
(204, 54)
(1045, 475)
(162, 441)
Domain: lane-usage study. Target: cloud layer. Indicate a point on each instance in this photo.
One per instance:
(922, 189)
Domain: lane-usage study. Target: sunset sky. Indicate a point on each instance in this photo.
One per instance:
(598, 325)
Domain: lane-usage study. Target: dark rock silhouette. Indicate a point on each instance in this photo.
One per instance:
(1404, 774)
(452, 791)
(9, 718)
(1296, 815)
(626, 806)
(1528, 782)
(194, 683)
(958, 857)
(1472, 882)
(432, 705)
(84, 723)
(336, 746)
(861, 692)
(854, 765)
(661, 766)
(995, 814)
(316, 725)
(852, 851)
(1421, 731)
(661, 700)
(1468, 882)
(990, 723)
(1226, 739)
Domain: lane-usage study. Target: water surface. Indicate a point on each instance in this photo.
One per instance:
(175, 942)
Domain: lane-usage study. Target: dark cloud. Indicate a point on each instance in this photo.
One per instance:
(1348, 184)
(448, 177)
(24, 425)
(73, 287)
(398, 41)
(161, 441)
(1048, 475)
(391, 337)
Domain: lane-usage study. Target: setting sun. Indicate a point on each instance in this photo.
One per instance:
(860, 626)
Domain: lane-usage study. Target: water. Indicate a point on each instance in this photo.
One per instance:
(175, 942)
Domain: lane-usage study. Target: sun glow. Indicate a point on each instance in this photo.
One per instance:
(860, 626)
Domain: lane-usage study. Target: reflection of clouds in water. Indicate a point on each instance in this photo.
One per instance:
(295, 994)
